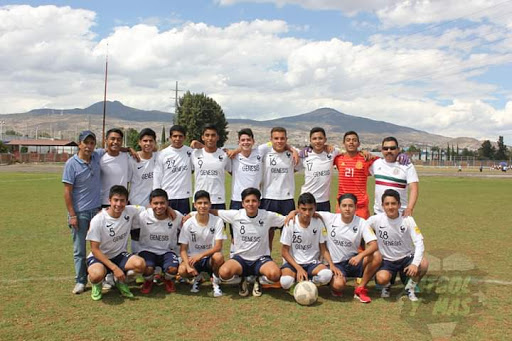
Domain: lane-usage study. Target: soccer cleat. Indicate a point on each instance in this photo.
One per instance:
(96, 293)
(108, 282)
(385, 292)
(335, 293)
(78, 289)
(216, 291)
(169, 285)
(361, 293)
(130, 276)
(243, 288)
(256, 289)
(412, 296)
(292, 289)
(124, 290)
(195, 286)
(147, 286)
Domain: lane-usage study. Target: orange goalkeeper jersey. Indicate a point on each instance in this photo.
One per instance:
(352, 176)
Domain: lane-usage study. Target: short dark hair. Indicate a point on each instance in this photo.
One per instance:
(178, 128)
(390, 139)
(278, 130)
(251, 191)
(391, 193)
(209, 126)
(317, 130)
(147, 132)
(158, 193)
(305, 199)
(351, 132)
(201, 194)
(118, 190)
(347, 196)
(245, 131)
(115, 130)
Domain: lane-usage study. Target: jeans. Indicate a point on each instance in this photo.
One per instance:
(79, 244)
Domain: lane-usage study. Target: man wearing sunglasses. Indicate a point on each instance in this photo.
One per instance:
(390, 174)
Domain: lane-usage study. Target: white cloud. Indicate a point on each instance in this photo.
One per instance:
(49, 57)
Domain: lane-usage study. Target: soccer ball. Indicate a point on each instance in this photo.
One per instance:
(305, 293)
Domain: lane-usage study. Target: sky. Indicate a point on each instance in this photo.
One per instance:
(443, 66)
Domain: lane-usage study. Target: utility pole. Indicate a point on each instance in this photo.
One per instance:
(104, 101)
(176, 98)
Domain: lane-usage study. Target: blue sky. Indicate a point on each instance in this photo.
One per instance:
(439, 66)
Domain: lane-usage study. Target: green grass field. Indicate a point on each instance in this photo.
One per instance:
(469, 217)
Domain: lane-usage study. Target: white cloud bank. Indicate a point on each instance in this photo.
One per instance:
(49, 57)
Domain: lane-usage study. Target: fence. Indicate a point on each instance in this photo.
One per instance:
(9, 158)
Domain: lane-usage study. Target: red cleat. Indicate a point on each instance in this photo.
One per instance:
(147, 286)
(169, 285)
(361, 293)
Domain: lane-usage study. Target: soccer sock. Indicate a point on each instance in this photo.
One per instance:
(410, 285)
(215, 280)
(287, 282)
(324, 276)
(169, 277)
(227, 280)
(264, 280)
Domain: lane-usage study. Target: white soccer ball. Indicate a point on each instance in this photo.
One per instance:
(305, 293)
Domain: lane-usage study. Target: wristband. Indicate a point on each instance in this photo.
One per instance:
(72, 216)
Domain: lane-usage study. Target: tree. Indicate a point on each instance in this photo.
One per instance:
(197, 110)
(501, 153)
(3, 148)
(487, 150)
(448, 155)
(132, 138)
(12, 132)
(163, 140)
(412, 149)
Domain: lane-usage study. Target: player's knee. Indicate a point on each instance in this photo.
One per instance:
(424, 265)
(376, 257)
(382, 278)
(149, 270)
(274, 274)
(96, 274)
(287, 281)
(338, 284)
(324, 276)
(217, 258)
(225, 272)
(172, 270)
(139, 264)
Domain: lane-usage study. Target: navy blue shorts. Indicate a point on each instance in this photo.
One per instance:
(349, 270)
(165, 261)
(180, 205)
(396, 266)
(204, 265)
(251, 268)
(309, 268)
(323, 206)
(235, 205)
(119, 260)
(282, 207)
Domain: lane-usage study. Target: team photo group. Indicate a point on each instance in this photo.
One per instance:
(162, 216)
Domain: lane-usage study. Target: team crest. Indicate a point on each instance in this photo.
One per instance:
(221, 157)
(212, 230)
(169, 224)
(258, 157)
(315, 231)
(359, 165)
(127, 217)
(396, 171)
(402, 229)
(329, 156)
(189, 153)
(260, 222)
(354, 229)
(288, 154)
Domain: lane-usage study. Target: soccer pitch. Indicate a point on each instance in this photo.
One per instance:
(465, 222)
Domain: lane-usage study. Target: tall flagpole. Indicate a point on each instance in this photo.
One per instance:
(105, 101)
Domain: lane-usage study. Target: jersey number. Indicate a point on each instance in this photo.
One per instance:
(242, 229)
(111, 232)
(310, 166)
(349, 172)
(297, 239)
(383, 234)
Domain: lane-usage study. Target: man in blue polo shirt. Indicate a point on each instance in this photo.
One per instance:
(82, 187)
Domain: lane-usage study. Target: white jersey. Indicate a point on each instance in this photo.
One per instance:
(398, 238)
(141, 182)
(278, 175)
(112, 233)
(115, 170)
(250, 235)
(209, 173)
(173, 172)
(246, 172)
(158, 236)
(318, 170)
(305, 242)
(200, 238)
(344, 239)
(392, 176)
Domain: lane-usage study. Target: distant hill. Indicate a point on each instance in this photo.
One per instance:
(67, 122)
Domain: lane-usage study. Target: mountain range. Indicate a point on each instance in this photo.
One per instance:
(66, 123)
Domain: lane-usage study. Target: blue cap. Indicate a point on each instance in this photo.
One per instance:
(85, 134)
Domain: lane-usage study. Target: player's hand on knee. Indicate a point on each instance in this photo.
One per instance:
(119, 274)
(411, 270)
(302, 275)
(336, 272)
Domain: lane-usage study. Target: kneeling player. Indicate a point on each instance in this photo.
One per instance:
(401, 245)
(108, 234)
(251, 238)
(201, 244)
(345, 231)
(158, 234)
(303, 241)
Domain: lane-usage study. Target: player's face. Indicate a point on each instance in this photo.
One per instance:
(246, 142)
(278, 139)
(117, 203)
(351, 143)
(147, 144)
(210, 138)
(318, 142)
(306, 212)
(202, 205)
(348, 209)
(86, 147)
(114, 142)
(177, 139)
(391, 207)
(390, 151)
(159, 206)
(251, 204)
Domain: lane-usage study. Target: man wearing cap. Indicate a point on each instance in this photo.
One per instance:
(82, 188)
